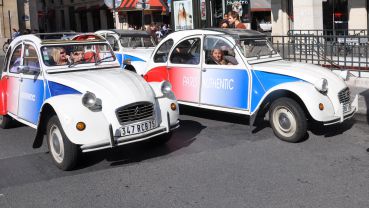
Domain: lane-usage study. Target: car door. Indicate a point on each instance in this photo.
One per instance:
(225, 80)
(31, 94)
(14, 79)
(184, 69)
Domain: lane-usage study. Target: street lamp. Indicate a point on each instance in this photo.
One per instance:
(143, 14)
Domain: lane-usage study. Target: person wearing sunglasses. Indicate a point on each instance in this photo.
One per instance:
(59, 56)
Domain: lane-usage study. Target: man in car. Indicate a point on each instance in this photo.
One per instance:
(76, 55)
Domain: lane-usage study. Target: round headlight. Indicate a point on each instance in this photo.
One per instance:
(322, 85)
(166, 87)
(89, 99)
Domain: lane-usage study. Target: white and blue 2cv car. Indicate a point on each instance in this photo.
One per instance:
(131, 47)
(76, 94)
(238, 71)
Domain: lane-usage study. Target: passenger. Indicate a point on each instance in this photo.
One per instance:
(77, 54)
(217, 57)
(59, 56)
(224, 24)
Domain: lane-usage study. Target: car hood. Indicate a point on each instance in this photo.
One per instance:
(142, 53)
(113, 86)
(307, 72)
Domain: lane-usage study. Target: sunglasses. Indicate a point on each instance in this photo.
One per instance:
(62, 52)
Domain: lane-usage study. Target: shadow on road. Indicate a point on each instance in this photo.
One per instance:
(181, 138)
(331, 130)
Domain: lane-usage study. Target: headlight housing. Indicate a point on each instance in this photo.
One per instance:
(321, 85)
(166, 88)
(90, 101)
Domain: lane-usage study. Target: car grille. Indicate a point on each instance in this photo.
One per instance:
(135, 112)
(344, 96)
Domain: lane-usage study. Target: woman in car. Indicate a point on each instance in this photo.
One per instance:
(217, 57)
(59, 56)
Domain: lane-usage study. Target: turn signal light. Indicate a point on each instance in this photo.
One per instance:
(81, 126)
(321, 106)
(173, 106)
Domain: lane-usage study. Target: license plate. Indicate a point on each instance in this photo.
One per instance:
(137, 128)
(346, 108)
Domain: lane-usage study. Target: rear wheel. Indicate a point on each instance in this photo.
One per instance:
(63, 152)
(5, 121)
(288, 120)
(5, 47)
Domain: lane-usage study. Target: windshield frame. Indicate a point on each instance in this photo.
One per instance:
(66, 67)
(274, 53)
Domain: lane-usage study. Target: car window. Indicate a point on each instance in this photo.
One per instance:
(113, 42)
(219, 51)
(5, 64)
(31, 60)
(71, 55)
(161, 55)
(15, 60)
(187, 52)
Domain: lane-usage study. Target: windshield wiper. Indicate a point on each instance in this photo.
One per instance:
(99, 61)
(72, 63)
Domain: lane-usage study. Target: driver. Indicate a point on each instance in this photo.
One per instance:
(77, 54)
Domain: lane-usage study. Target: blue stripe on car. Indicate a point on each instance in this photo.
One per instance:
(262, 82)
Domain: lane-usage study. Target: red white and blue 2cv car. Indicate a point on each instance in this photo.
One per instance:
(75, 93)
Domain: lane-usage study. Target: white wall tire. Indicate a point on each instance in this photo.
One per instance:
(5, 121)
(288, 120)
(63, 152)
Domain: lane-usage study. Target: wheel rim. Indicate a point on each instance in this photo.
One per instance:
(56, 144)
(284, 121)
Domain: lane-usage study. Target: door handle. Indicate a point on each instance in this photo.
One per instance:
(203, 70)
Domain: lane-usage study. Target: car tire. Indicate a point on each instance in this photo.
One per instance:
(288, 120)
(162, 139)
(64, 153)
(5, 121)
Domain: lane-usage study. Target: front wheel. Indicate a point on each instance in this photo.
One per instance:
(288, 120)
(5, 47)
(5, 121)
(63, 152)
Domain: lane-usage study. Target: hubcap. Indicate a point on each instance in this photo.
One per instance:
(284, 121)
(56, 144)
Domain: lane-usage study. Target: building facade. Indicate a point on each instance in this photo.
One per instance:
(328, 15)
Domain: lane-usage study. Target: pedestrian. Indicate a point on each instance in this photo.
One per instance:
(224, 24)
(152, 31)
(234, 20)
(15, 33)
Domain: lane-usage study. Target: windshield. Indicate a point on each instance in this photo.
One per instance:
(256, 48)
(75, 54)
(134, 42)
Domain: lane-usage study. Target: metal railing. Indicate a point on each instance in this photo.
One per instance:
(333, 51)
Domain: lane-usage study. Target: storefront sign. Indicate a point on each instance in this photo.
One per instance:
(203, 10)
(241, 7)
(183, 15)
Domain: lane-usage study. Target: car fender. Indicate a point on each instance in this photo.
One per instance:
(3, 89)
(307, 93)
(70, 110)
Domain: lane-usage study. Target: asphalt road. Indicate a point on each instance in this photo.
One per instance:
(213, 160)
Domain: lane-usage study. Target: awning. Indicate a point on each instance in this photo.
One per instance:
(153, 5)
(261, 5)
